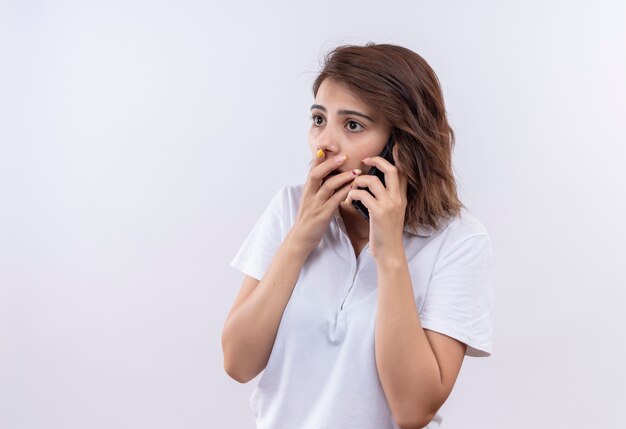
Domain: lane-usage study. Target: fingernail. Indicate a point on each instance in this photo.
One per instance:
(320, 153)
(356, 171)
(340, 159)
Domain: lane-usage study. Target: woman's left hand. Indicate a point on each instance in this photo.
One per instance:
(386, 208)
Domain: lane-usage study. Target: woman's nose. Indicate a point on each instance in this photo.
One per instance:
(327, 142)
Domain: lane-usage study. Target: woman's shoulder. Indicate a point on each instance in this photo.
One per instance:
(294, 189)
(464, 236)
(290, 193)
(461, 227)
(467, 223)
(286, 200)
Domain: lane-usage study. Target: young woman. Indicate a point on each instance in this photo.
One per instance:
(362, 323)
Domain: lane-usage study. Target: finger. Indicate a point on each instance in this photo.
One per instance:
(318, 157)
(320, 172)
(389, 170)
(332, 184)
(373, 183)
(336, 199)
(321, 165)
(363, 196)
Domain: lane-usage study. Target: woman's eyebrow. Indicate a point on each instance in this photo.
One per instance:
(342, 112)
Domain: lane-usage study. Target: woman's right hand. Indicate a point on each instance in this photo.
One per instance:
(320, 199)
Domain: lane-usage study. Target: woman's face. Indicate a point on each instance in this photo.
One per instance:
(343, 124)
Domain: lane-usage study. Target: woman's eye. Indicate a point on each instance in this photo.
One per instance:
(317, 120)
(354, 126)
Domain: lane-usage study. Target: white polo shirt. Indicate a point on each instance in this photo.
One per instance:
(322, 372)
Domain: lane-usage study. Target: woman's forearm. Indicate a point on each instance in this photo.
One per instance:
(250, 331)
(406, 363)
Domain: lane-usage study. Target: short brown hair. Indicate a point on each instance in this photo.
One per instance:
(407, 93)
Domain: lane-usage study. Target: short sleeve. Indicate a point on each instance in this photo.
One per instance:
(459, 299)
(258, 249)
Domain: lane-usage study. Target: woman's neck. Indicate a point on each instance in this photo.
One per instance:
(356, 225)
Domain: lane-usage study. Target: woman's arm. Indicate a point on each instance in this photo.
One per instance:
(250, 328)
(417, 367)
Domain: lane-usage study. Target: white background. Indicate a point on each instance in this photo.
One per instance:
(140, 141)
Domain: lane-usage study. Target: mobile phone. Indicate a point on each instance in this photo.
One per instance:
(388, 155)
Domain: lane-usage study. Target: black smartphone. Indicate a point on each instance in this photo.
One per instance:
(388, 155)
